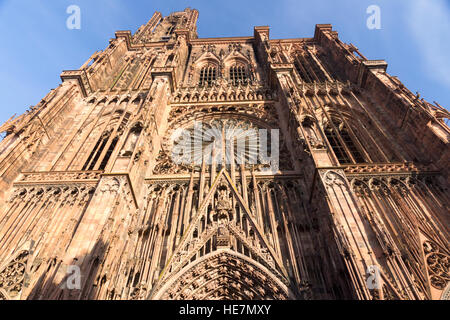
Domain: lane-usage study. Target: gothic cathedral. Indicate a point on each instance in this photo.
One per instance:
(93, 204)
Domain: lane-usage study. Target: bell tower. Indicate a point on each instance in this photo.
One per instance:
(165, 29)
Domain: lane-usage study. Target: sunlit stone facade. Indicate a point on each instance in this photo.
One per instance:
(358, 209)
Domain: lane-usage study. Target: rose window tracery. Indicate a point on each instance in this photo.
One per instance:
(225, 142)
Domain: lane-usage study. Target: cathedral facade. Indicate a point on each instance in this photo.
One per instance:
(94, 204)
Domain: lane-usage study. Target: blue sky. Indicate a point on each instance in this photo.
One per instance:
(37, 46)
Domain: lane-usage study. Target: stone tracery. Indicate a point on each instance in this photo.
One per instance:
(224, 275)
(13, 275)
(438, 265)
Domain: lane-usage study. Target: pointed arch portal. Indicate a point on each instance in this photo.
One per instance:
(223, 275)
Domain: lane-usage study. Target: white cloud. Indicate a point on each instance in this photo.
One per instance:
(429, 22)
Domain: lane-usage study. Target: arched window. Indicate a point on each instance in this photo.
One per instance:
(302, 71)
(238, 74)
(111, 148)
(338, 147)
(93, 161)
(308, 68)
(208, 75)
(351, 146)
(97, 151)
(170, 30)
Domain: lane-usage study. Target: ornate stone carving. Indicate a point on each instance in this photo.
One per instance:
(139, 293)
(13, 275)
(446, 294)
(59, 177)
(316, 143)
(220, 91)
(111, 185)
(166, 165)
(438, 265)
(222, 276)
(333, 178)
